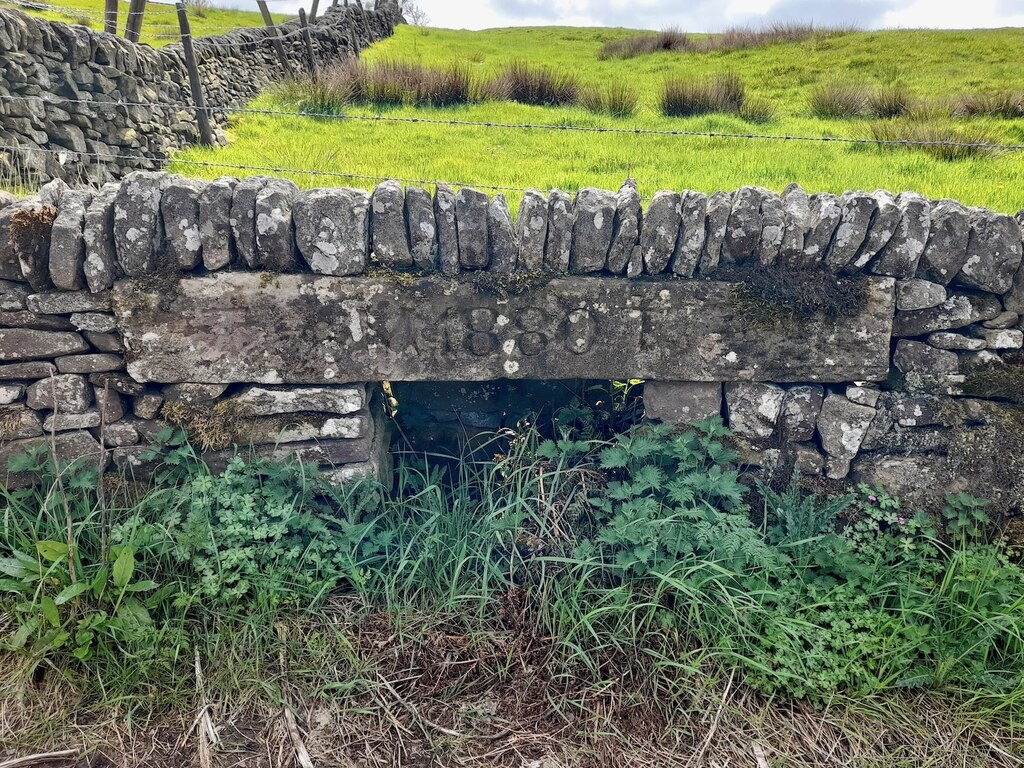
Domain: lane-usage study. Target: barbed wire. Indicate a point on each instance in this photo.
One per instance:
(556, 127)
(311, 172)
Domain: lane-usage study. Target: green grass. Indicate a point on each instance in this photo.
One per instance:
(159, 24)
(944, 64)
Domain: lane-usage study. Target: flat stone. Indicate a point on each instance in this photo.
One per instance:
(65, 422)
(99, 322)
(419, 213)
(743, 233)
(147, 406)
(901, 255)
(532, 225)
(332, 229)
(337, 330)
(501, 235)
(67, 242)
(913, 356)
(64, 393)
(118, 382)
(318, 453)
(842, 426)
(306, 427)
(100, 262)
(11, 393)
(917, 294)
(13, 296)
(807, 460)
(863, 395)
(796, 206)
(660, 231)
(104, 342)
(682, 403)
(719, 208)
(35, 321)
(193, 394)
(1002, 338)
(914, 478)
(18, 423)
(447, 231)
(1002, 320)
(826, 215)
(994, 252)
(753, 407)
(972, 361)
(90, 363)
(800, 410)
(138, 228)
(919, 411)
(626, 231)
(773, 227)
(118, 435)
(390, 238)
(215, 223)
(109, 404)
(471, 217)
(946, 251)
(692, 233)
(70, 447)
(243, 218)
(275, 236)
(592, 230)
(856, 211)
(956, 312)
(881, 229)
(33, 370)
(28, 344)
(69, 303)
(263, 401)
(955, 341)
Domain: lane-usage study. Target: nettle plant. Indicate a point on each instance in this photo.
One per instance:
(78, 593)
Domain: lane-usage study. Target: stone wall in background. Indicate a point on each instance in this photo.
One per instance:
(862, 336)
(74, 91)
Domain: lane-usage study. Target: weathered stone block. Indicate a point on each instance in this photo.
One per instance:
(800, 410)
(881, 229)
(560, 225)
(592, 230)
(306, 329)
(719, 208)
(915, 357)
(262, 401)
(956, 312)
(796, 206)
(533, 230)
(98, 322)
(856, 210)
(70, 447)
(626, 230)
(994, 252)
(826, 215)
(147, 406)
(215, 222)
(18, 423)
(917, 294)
(275, 236)
(743, 233)
(660, 231)
(11, 393)
(955, 342)
(901, 255)
(471, 217)
(419, 212)
(1002, 338)
(243, 218)
(447, 231)
(64, 393)
(65, 422)
(138, 227)
(35, 321)
(332, 229)
(390, 238)
(692, 233)
(946, 251)
(69, 303)
(754, 408)
(100, 262)
(193, 394)
(842, 426)
(682, 402)
(28, 344)
(67, 242)
(773, 226)
(179, 208)
(33, 370)
(90, 363)
(502, 245)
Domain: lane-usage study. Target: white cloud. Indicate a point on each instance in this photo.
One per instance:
(957, 15)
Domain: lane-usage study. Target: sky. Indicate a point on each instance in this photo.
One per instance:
(709, 15)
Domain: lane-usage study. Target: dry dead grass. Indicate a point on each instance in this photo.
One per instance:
(377, 694)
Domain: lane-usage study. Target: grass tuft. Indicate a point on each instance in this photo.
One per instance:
(539, 86)
(838, 99)
(1005, 104)
(894, 100)
(686, 97)
(943, 141)
(733, 39)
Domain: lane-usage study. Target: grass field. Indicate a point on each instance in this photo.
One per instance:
(160, 23)
(944, 65)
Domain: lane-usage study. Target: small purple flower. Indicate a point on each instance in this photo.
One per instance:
(872, 499)
(902, 520)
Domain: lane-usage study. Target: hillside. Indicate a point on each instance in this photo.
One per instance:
(159, 25)
(945, 66)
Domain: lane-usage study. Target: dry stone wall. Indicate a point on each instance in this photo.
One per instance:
(863, 336)
(83, 93)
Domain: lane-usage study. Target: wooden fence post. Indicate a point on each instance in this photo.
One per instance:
(194, 83)
(308, 42)
(312, 11)
(110, 17)
(133, 27)
(275, 37)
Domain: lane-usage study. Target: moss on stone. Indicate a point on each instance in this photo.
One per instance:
(770, 296)
(1002, 381)
(214, 426)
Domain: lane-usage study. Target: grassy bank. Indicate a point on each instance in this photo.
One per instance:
(784, 76)
(159, 24)
(587, 601)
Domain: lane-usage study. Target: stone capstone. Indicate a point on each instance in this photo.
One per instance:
(179, 207)
(626, 231)
(532, 225)
(215, 222)
(419, 212)
(503, 247)
(946, 251)
(67, 242)
(994, 252)
(660, 231)
(560, 223)
(447, 231)
(236, 327)
(138, 228)
(592, 231)
(390, 238)
(692, 234)
(901, 255)
(275, 236)
(100, 265)
(471, 217)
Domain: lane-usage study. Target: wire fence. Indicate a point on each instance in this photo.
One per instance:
(553, 127)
